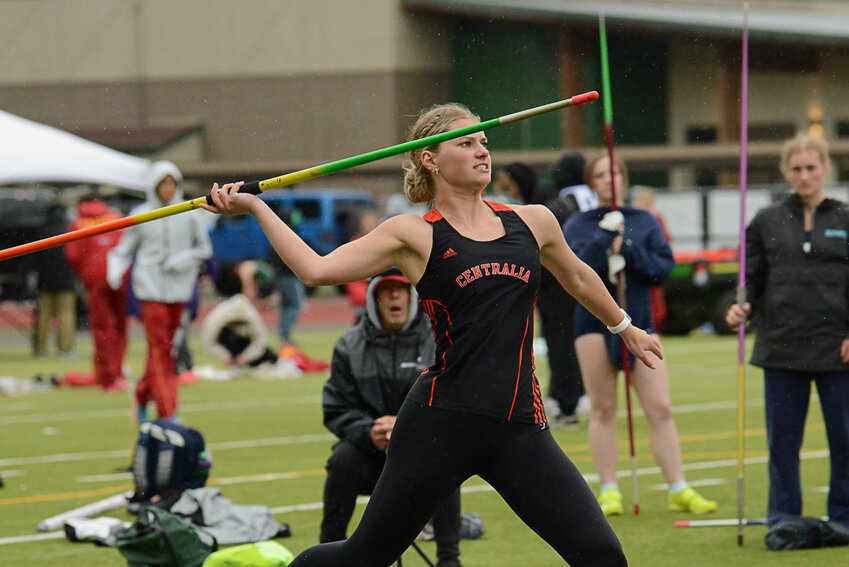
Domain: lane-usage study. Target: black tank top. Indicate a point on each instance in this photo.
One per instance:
(480, 300)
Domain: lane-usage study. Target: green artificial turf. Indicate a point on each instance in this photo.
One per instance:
(65, 447)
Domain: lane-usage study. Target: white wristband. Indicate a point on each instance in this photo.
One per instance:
(626, 320)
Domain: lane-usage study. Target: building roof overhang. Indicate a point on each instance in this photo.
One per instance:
(809, 22)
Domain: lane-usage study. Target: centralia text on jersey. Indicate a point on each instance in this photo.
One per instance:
(493, 269)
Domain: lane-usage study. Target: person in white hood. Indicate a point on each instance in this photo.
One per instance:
(166, 255)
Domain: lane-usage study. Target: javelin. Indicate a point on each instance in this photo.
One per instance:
(741, 274)
(257, 187)
(719, 523)
(620, 276)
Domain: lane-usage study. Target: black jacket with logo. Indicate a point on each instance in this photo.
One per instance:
(801, 298)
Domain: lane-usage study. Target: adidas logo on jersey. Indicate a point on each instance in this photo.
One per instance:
(448, 253)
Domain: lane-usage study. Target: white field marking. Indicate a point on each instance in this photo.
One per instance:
(184, 408)
(686, 348)
(696, 408)
(10, 473)
(700, 482)
(310, 506)
(64, 458)
(267, 477)
(292, 440)
(699, 370)
(17, 406)
(105, 477)
(124, 453)
(31, 538)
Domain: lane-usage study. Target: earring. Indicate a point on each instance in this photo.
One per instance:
(436, 171)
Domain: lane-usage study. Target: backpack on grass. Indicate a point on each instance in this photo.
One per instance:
(161, 539)
(168, 459)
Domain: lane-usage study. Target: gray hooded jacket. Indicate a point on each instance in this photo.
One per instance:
(168, 251)
(373, 369)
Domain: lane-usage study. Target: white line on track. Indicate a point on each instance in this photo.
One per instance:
(123, 453)
(31, 538)
(683, 348)
(17, 406)
(698, 408)
(11, 473)
(184, 408)
(105, 477)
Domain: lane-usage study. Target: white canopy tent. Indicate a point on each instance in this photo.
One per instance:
(31, 152)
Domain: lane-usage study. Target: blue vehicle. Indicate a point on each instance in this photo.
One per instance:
(324, 218)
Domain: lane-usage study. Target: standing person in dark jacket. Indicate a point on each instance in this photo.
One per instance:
(566, 396)
(107, 319)
(477, 410)
(56, 292)
(374, 365)
(627, 239)
(797, 281)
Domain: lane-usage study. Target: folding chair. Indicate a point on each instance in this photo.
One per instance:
(421, 553)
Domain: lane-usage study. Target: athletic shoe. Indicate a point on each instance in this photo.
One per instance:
(551, 407)
(187, 377)
(306, 364)
(611, 502)
(74, 378)
(688, 500)
(282, 369)
(568, 422)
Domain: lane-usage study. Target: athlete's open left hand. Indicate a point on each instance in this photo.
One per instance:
(641, 344)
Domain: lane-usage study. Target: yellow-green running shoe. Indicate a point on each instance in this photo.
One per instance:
(611, 501)
(688, 500)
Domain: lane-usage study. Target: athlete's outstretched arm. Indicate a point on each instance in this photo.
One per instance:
(401, 241)
(581, 281)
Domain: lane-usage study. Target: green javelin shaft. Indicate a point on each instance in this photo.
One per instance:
(257, 187)
(347, 163)
(606, 103)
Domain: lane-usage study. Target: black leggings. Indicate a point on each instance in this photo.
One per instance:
(433, 451)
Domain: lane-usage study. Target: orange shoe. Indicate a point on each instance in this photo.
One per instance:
(74, 378)
(290, 352)
(187, 377)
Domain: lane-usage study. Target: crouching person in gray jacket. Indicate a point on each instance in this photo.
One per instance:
(374, 365)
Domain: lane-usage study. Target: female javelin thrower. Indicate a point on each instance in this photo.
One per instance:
(478, 409)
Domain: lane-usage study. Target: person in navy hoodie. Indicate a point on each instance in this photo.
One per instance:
(628, 240)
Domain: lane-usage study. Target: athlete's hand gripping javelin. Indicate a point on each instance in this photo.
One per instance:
(228, 201)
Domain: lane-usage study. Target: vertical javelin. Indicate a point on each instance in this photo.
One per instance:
(607, 105)
(741, 275)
